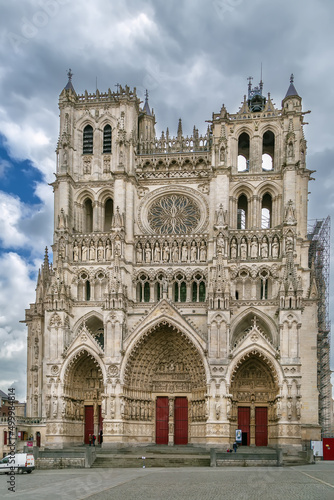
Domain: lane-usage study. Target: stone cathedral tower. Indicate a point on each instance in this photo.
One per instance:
(180, 305)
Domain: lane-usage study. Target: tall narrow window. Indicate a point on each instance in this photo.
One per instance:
(88, 212)
(268, 150)
(202, 291)
(87, 290)
(183, 292)
(194, 292)
(107, 139)
(242, 212)
(146, 292)
(108, 212)
(243, 152)
(264, 289)
(87, 147)
(266, 210)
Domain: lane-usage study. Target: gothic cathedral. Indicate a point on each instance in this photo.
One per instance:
(180, 305)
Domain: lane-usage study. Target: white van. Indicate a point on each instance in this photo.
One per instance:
(20, 462)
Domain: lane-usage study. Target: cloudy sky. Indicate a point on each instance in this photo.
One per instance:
(192, 56)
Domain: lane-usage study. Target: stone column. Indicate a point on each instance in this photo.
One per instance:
(171, 421)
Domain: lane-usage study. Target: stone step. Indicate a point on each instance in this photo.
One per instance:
(118, 461)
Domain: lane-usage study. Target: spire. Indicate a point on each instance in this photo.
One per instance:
(146, 108)
(291, 90)
(69, 85)
(179, 128)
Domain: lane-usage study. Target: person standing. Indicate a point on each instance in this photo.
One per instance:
(235, 446)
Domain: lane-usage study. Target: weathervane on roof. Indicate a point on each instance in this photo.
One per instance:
(292, 78)
(69, 74)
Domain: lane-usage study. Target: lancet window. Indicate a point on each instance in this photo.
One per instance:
(268, 150)
(243, 152)
(266, 211)
(88, 216)
(242, 212)
(87, 146)
(107, 139)
(108, 213)
(143, 289)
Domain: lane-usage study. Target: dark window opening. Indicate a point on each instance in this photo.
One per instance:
(268, 150)
(108, 213)
(266, 211)
(147, 293)
(243, 152)
(88, 207)
(87, 147)
(87, 290)
(242, 212)
(107, 139)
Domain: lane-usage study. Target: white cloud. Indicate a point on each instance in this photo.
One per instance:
(17, 289)
(11, 212)
(24, 226)
(4, 165)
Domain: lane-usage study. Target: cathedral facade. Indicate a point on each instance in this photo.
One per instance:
(180, 305)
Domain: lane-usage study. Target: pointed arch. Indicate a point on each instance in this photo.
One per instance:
(255, 352)
(244, 320)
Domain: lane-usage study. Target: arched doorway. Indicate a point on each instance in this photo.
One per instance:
(254, 390)
(83, 387)
(165, 385)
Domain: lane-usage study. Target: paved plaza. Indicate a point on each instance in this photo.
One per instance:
(237, 483)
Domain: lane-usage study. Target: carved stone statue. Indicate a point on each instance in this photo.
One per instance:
(100, 251)
(243, 249)
(175, 252)
(202, 252)
(220, 243)
(148, 253)
(221, 216)
(184, 253)
(264, 248)
(166, 252)
(254, 248)
(75, 252)
(156, 252)
(92, 251)
(275, 248)
(193, 252)
(84, 252)
(234, 249)
(139, 253)
(108, 251)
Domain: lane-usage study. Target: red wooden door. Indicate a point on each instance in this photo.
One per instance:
(261, 426)
(328, 448)
(181, 421)
(89, 422)
(244, 423)
(162, 412)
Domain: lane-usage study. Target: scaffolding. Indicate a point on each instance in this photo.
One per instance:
(319, 262)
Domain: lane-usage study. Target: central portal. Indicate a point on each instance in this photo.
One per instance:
(165, 388)
(172, 420)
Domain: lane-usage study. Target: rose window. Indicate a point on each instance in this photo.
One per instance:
(174, 214)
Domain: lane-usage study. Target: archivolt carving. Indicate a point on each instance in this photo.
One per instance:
(165, 360)
(83, 379)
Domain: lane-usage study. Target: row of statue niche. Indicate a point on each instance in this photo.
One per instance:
(136, 409)
(171, 252)
(254, 248)
(199, 411)
(96, 251)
